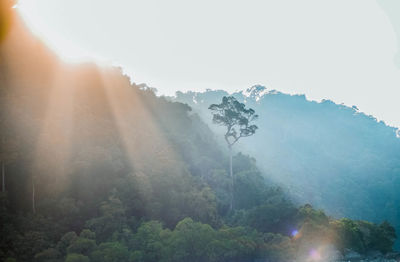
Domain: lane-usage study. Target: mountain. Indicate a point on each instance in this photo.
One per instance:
(96, 168)
(329, 155)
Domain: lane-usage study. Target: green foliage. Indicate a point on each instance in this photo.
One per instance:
(238, 243)
(82, 246)
(250, 185)
(349, 235)
(277, 247)
(275, 217)
(137, 256)
(236, 117)
(189, 241)
(48, 255)
(194, 241)
(149, 242)
(86, 233)
(112, 219)
(66, 241)
(384, 237)
(144, 179)
(111, 252)
(377, 237)
(324, 153)
(307, 214)
(218, 180)
(31, 243)
(76, 258)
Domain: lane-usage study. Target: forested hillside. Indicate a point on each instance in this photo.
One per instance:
(95, 168)
(330, 155)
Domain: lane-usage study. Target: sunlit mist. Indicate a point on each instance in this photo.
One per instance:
(177, 45)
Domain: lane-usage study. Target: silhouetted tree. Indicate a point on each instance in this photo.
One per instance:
(8, 154)
(237, 119)
(8, 143)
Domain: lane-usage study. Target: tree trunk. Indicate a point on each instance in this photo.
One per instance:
(33, 196)
(3, 177)
(231, 176)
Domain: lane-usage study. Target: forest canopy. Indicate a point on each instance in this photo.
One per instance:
(319, 152)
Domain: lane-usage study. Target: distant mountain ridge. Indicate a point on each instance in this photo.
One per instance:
(329, 155)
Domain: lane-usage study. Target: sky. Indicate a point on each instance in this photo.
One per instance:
(343, 50)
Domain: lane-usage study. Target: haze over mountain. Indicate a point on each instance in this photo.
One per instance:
(294, 46)
(326, 154)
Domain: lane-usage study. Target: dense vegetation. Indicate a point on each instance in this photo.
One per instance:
(330, 155)
(99, 169)
(165, 201)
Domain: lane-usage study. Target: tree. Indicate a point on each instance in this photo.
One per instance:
(190, 241)
(66, 241)
(82, 246)
(111, 252)
(48, 255)
(385, 236)
(8, 143)
(8, 154)
(76, 258)
(237, 119)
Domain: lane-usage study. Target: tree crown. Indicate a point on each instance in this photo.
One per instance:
(234, 115)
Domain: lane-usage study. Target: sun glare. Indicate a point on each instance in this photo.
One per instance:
(36, 15)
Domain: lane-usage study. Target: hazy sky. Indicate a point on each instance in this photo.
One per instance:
(343, 50)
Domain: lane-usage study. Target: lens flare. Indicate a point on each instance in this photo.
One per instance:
(314, 255)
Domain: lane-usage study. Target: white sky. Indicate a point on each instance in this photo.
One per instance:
(343, 50)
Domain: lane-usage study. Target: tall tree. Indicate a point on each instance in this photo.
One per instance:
(237, 119)
(9, 140)
(8, 154)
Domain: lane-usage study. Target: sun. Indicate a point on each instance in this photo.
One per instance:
(6, 17)
(42, 17)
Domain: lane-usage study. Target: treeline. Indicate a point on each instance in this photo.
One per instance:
(115, 237)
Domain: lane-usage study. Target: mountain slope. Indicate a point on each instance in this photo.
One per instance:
(329, 155)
